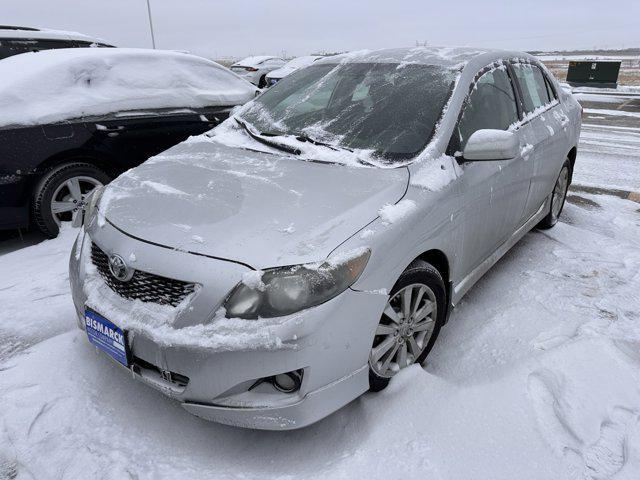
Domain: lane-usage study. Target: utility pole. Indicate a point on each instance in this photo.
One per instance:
(153, 38)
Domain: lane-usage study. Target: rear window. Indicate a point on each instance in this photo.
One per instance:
(533, 86)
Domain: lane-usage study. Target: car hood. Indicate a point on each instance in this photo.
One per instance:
(260, 209)
(281, 72)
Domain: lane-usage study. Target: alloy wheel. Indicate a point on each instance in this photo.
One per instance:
(559, 192)
(69, 197)
(404, 331)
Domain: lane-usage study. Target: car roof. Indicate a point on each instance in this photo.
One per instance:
(452, 57)
(32, 33)
(55, 85)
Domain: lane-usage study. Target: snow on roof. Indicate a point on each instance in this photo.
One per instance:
(253, 61)
(55, 85)
(28, 33)
(445, 56)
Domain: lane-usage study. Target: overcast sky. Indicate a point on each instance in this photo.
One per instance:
(235, 28)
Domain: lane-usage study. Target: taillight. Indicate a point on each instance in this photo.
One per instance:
(250, 69)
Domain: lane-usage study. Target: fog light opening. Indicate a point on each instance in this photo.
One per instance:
(287, 382)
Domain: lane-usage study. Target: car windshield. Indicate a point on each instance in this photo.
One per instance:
(388, 109)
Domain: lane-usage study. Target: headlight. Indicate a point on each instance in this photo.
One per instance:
(284, 290)
(92, 204)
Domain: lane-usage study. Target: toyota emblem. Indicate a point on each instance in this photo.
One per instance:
(119, 269)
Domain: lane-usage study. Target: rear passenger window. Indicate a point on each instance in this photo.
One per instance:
(491, 104)
(533, 86)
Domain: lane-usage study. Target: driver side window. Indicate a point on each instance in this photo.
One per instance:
(491, 104)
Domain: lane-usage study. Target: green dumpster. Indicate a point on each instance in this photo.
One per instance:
(593, 74)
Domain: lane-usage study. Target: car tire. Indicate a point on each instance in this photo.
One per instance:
(558, 197)
(53, 183)
(419, 277)
(262, 82)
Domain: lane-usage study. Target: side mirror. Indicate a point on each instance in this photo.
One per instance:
(487, 145)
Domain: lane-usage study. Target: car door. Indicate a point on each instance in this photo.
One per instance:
(133, 139)
(494, 193)
(542, 130)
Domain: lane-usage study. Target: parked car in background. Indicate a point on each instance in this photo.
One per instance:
(290, 67)
(73, 119)
(255, 69)
(315, 245)
(15, 40)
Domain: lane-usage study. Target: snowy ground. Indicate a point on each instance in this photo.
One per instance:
(537, 375)
(609, 150)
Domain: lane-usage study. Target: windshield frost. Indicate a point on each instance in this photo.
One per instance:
(389, 109)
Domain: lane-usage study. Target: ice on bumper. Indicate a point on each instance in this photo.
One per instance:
(159, 322)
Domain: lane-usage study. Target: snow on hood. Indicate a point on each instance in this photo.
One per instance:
(84, 82)
(265, 210)
(293, 65)
(253, 61)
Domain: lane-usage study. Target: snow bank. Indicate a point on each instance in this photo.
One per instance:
(56, 85)
(617, 113)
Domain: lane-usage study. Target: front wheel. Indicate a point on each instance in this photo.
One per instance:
(61, 192)
(558, 197)
(409, 325)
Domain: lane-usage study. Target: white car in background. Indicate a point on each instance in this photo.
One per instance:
(290, 67)
(255, 69)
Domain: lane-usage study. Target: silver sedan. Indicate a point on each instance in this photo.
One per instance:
(313, 245)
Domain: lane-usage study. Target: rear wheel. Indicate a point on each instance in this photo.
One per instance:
(61, 192)
(558, 197)
(409, 325)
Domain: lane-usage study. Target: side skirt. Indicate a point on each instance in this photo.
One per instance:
(467, 282)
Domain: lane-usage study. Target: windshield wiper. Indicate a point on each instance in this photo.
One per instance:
(259, 138)
(303, 137)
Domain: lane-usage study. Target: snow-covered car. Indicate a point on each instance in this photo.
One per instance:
(72, 119)
(15, 40)
(290, 67)
(314, 244)
(255, 69)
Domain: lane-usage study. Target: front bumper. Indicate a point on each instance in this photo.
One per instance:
(330, 343)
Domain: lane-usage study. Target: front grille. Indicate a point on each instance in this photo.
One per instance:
(143, 286)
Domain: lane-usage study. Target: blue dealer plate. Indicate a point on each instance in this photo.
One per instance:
(106, 336)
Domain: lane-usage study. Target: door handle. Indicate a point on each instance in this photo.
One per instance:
(104, 128)
(564, 121)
